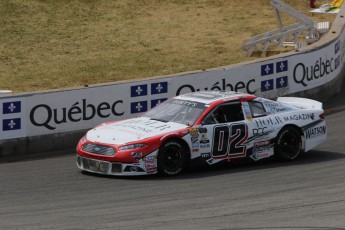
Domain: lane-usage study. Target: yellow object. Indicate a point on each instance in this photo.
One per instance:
(337, 3)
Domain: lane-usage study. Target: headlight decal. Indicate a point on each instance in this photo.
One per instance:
(134, 146)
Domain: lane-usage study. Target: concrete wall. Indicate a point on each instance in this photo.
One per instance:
(51, 121)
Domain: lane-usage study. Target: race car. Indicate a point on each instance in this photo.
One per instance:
(206, 127)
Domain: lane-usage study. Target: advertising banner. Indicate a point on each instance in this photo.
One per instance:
(71, 110)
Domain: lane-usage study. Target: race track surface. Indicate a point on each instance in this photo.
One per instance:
(306, 194)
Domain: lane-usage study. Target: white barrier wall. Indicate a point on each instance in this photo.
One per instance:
(37, 114)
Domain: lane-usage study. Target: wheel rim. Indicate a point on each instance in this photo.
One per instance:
(290, 145)
(172, 158)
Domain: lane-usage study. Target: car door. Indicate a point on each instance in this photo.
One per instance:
(261, 130)
(227, 131)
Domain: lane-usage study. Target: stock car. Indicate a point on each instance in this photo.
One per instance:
(207, 127)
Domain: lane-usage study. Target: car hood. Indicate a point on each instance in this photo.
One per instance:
(130, 130)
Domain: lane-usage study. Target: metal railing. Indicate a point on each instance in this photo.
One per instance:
(286, 35)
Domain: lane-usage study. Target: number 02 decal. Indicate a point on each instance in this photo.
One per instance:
(228, 140)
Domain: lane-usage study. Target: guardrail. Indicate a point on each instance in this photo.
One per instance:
(55, 120)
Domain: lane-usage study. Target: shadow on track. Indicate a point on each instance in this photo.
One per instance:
(236, 166)
(287, 228)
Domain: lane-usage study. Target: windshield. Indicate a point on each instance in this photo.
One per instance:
(179, 111)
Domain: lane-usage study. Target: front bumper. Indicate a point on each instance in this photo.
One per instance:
(145, 166)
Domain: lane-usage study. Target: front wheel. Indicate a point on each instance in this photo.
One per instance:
(288, 144)
(171, 158)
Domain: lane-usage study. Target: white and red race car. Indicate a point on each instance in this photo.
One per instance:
(210, 127)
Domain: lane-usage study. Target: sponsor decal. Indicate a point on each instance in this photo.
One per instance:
(195, 145)
(261, 152)
(304, 74)
(204, 137)
(274, 107)
(150, 165)
(204, 141)
(259, 132)
(77, 112)
(195, 150)
(194, 139)
(278, 109)
(298, 117)
(271, 104)
(314, 132)
(146, 126)
(205, 155)
(262, 143)
(282, 109)
(268, 121)
(247, 111)
(194, 133)
(212, 161)
(153, 170)
(258, 156)
(186, 103)
(136, 155)
(149, 158)
(263, 148)
(204, 146)
(202, 130)
(150, 162)
(193, 130)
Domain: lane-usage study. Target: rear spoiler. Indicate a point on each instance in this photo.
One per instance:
(302, 103)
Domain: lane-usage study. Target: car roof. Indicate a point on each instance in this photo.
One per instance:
(209, 97)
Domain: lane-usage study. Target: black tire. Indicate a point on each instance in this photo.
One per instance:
(288, 144)
(172, 158)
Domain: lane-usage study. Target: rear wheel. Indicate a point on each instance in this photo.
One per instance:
(172, 158)
(288, 145)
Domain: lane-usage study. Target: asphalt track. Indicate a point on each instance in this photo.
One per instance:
(308, 193)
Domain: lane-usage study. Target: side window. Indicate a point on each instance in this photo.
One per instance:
(257, 109)
(234, 111)
(229, 112)
(216, 116)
